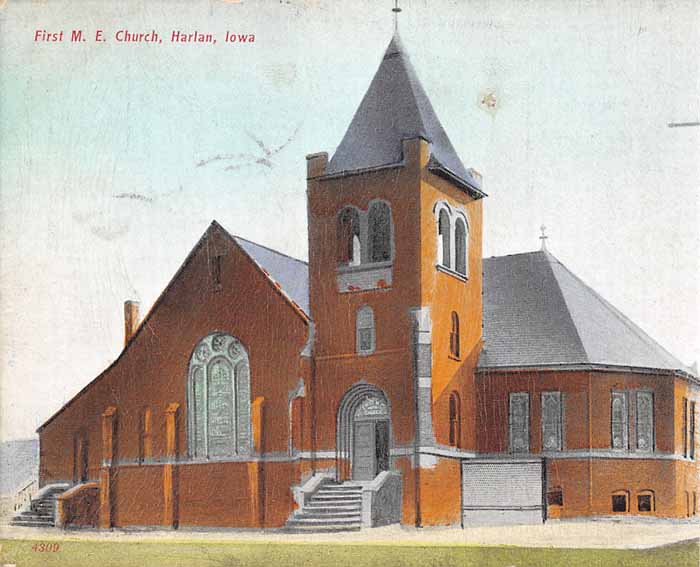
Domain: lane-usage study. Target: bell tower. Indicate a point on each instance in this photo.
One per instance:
(395, 280)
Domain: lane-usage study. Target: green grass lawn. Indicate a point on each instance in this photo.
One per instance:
(25, 553)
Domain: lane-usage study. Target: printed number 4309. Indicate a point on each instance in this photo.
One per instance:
(42, 547)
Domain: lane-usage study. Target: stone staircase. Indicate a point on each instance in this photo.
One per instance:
(42, 508)
(334, 507)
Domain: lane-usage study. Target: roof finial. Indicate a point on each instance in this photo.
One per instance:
(396, 11)
(543, 238)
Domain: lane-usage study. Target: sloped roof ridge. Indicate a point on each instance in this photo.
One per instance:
(140, 327)
(237, 237)
(629, 324)
(531, 253)
(414, 84)
(548, 256)
(161, 297)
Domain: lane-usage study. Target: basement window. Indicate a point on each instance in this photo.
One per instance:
(645, 501)
(620, 502)
(555, 497)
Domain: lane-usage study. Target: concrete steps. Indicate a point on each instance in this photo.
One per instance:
(41, 510)
(334, 507)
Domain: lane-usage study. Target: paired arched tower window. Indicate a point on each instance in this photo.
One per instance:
(349, 236)
(460, 247)
(218, 398)
(452, 239)
(379, 232)
(444, 233)
(365, 236)
(365, 330)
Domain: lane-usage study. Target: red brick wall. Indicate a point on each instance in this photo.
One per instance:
(152, 372)
(588, 484)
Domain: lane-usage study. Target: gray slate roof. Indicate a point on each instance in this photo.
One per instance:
(538, 313)
(290, 273)
(394, 108)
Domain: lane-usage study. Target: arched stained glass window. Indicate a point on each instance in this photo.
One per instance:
(519, 422)
(552, 421)
(619, 425)
(645, 421)
(379, 232)
(219, 398)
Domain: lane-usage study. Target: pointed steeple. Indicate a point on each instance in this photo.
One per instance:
(395, 108)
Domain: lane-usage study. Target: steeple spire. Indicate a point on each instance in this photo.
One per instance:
(396, 108)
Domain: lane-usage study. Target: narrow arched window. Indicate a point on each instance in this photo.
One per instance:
(455, 420)
(379, 233)
(454, 335)
(349, 237)
(365, 333)
(444, 239)
(145, 435)
(619, 425)
(219, 398)
(460, 247)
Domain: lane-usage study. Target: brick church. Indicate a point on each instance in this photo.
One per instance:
(396, 377)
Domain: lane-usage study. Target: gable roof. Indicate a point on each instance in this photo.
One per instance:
(537, 313)
(279, 269)
(395, 108)
(291, 274)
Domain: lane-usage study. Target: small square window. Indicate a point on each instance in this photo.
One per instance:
(644, 503)
(619, 503)
(555, 498)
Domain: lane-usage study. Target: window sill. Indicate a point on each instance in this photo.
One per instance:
(451, 272)
(347, 268)
(455, 358)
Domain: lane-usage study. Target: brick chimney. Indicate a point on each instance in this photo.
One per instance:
(131, 319)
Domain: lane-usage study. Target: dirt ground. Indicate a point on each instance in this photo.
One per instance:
(602, 533)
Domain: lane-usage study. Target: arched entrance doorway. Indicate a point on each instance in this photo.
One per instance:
(363, 434)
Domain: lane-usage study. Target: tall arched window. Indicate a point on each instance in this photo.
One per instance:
(219, 398)
(460, 247)
(349, 249)
(379, 233)
(454, 335)
(620, 427)
(455, 420)
(365, 334)
(444, 238)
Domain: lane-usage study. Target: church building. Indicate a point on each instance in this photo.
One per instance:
(397, 377)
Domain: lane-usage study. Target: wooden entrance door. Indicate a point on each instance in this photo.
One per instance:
(370, 449)
(364, 461)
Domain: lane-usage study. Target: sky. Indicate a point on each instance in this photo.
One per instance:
(562, 106)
